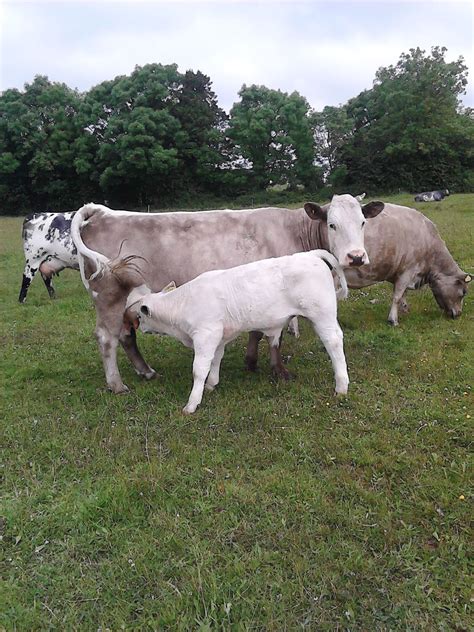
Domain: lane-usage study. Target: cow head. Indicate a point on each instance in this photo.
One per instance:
(345, 218)
(449, 292)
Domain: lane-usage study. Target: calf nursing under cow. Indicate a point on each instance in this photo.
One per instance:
(210, 311)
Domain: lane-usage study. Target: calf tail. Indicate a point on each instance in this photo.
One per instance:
(334, 264)
(99, 260)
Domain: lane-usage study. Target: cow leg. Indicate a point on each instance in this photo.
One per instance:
(128, 340)
(107, 331)
(28, 276)
(276, 362)
(332, 338)
(213, 377)
(404, 307)
(49, 285)
(251, 356)
(204, 353)
(399, 289)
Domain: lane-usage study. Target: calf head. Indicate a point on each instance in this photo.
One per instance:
(345, 218)
(449, 292)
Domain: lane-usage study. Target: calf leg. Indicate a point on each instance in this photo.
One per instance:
(332, 339)
(293, 327)
(251, 356)
(213, 377)
(49, 285)
(128, 340)
(204, 353)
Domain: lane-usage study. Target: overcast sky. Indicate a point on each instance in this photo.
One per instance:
(327, 51)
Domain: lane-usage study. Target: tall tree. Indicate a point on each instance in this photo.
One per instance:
(273, 131)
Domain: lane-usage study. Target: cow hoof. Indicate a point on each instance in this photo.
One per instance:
(280, 373)
(189, 410)
(120, 389)
(251, 365)
(392, 323)
(209, 387)
(150, 375)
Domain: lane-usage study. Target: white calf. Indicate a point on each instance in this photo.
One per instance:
(214, 308)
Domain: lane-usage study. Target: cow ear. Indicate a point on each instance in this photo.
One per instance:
(372, 209)
(314, 211)
(169, 288)
(145, 310)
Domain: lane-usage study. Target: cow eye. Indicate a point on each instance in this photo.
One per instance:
(332, 226)
(363, 224)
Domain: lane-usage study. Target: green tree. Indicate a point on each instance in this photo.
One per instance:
(273, 131)
(409, 131)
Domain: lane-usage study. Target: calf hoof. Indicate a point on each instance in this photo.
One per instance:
(189, 410)
(392, 323)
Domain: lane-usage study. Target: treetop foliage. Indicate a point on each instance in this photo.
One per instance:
(159, 137)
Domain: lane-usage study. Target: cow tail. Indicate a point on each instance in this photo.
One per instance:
(333, 264)
(99, 260)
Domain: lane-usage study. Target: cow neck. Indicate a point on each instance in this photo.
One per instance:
(442, 263)
(314, 234)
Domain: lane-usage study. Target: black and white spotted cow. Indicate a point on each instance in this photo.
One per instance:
(48, 248)
(431, 196)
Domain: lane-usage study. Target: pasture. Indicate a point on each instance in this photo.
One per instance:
(274, 507)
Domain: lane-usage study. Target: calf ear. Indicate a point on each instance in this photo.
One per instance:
(372, 209)
(314, 211)
(145, 310)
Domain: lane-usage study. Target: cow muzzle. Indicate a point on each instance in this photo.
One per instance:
(356, 258)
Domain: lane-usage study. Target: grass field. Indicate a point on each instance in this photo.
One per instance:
(274, 507)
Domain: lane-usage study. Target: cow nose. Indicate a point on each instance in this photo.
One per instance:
(356, 259)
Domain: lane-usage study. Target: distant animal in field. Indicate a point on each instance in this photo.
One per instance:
(179, 246)
(405, 248)
(432, 196)
(48, 247)
(210, 311)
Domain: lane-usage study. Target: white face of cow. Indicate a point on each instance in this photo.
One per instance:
(346, 220)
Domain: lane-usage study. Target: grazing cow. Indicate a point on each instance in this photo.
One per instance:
(431, 196)
(182, 245)
(48, 248)
(405, 249)
(214, 308)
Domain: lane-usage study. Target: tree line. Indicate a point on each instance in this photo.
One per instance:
(159, 137)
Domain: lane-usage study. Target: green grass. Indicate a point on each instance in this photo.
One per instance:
(274, 507)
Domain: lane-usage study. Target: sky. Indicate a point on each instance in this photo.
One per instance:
(327, 51)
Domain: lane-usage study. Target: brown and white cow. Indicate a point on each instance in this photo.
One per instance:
(180, 246)
(406, 249)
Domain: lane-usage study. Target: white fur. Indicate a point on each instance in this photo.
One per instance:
(213, 309)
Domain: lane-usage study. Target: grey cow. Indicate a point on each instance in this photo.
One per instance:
(180, 246)
(432, 196)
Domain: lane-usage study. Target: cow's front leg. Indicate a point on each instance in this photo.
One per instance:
(128, 340)
(28, 275)
(49, 285)
(276, 362)
(204, 352)
(399, 289)
(108, 344)
(251, 356)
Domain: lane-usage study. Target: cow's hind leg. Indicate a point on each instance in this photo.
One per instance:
(128, 340)
(332, 338)
(28, 276)
(48, 281)
(251, 356)
(108, 343)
